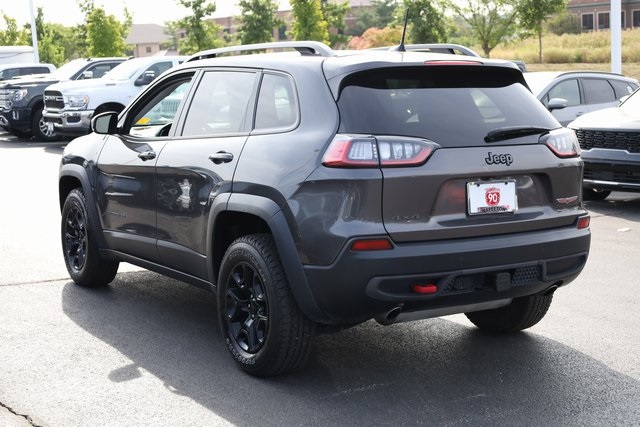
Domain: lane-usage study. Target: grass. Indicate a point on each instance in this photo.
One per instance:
(586, 51)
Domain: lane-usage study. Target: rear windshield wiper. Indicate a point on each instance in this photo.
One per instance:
(510, 132)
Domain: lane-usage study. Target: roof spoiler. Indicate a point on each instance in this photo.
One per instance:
(311, 48)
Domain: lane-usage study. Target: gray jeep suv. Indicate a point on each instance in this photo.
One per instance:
(317, 190)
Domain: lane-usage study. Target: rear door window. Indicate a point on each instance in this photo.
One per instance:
(454, 106)
(220, 104)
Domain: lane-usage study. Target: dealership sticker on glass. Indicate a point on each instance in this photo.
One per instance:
(490, 197)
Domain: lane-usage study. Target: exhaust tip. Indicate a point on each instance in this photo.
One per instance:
(389, 317)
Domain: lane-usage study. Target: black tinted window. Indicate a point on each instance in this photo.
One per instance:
(453, 106)
(598, 91)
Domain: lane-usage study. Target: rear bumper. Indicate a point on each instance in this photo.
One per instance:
(363, 285)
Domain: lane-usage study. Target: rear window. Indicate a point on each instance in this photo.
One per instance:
(454, 106)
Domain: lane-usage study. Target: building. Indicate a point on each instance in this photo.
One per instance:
(594, 15)
(148, 39)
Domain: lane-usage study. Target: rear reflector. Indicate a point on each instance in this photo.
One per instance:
(427, 288)
(584, 222)
(371, 245)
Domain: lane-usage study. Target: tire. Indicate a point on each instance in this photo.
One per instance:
(594, 195)
(81, 255)
(521, 314)
(39, 128)
(263, 328)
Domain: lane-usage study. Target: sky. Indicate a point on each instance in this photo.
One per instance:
(66, 12)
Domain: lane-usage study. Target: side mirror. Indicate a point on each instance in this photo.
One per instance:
(557, 104)
(87, 75)
(105, 123)
(624, 98)
(146, 78)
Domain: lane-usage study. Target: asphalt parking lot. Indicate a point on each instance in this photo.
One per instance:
(147, 351)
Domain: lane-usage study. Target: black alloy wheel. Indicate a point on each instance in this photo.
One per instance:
(264, 329)
(81, 255)
(247, 309)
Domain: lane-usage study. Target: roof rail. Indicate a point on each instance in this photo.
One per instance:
(303, 47)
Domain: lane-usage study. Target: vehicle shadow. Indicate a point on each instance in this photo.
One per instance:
(618, 204)
(434, 372)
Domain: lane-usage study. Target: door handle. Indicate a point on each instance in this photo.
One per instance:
(221, 157)
(147, 155)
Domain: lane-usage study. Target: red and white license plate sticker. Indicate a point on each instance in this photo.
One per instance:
(491, 197)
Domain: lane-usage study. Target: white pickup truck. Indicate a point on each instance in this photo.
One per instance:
(69, 106)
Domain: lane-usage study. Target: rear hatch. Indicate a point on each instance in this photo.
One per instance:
(465, 150)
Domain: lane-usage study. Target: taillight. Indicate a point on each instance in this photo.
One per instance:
(369, 151)
(563, 142)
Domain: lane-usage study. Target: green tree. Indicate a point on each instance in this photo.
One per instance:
(257, 21)
(105, 34)
(12, 35)
(49, 48)
(490, 21)
(308, 21)
(201, 34)
(380, 14)
(563, 23)
(533, 13)
(426, 23)
(334, 14)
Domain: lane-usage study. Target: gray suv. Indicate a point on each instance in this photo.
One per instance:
(317, 190)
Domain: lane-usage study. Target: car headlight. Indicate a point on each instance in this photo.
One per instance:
(76, 101)
(19, 94)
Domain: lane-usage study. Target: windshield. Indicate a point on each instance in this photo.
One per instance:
(67, 71)
(631, 106)
(126, 70)
(454, 106)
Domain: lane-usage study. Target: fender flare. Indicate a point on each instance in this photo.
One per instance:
(79, 173)
(274, 217)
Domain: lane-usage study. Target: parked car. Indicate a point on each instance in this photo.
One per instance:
(69, 106)
(610, 143)
(317, 191)
(10, 71)
(571, 94)
(21, 100)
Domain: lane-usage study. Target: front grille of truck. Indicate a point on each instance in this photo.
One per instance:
(53, 100)
(629, 141)
(5, 99)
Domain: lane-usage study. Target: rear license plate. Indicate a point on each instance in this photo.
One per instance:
(489, 197)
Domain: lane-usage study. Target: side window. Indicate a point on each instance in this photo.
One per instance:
(95, 71)
(598, 91)
(154, 115)
(220, 103)
(568, 90)
(622, 88)
(37, 70)
(159, 68)
(277, 106)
